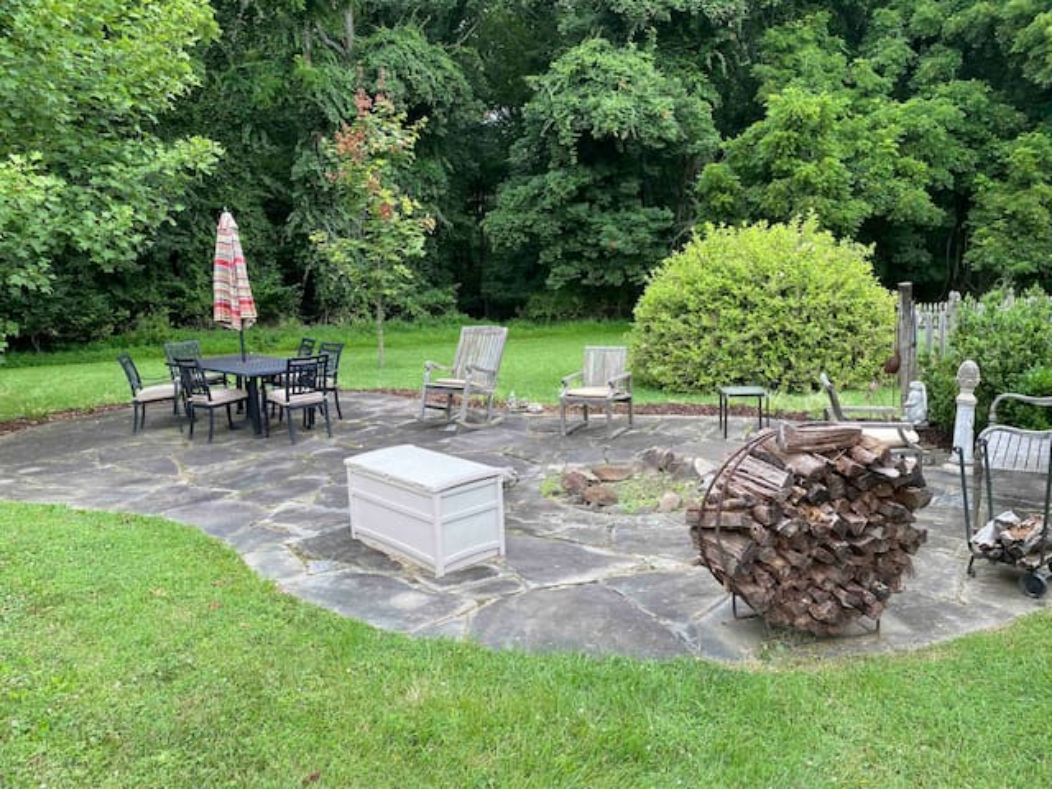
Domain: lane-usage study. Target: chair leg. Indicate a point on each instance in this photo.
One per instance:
(211, 424)
(292, 427)
(336, 398)
(192, 414)
(325, 413)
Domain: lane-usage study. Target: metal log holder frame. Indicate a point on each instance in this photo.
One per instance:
(725, 472)
(1031, 582)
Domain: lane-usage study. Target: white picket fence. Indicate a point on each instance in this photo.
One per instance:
(933, 323)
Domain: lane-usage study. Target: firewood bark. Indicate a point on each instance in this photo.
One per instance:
(813, 525)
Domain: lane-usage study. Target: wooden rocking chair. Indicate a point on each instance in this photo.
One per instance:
(473, 374)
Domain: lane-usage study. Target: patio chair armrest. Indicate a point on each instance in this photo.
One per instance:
(621, 383)
(566, 380)
(430, 367)
(1028, 399)
(883, 413)
(476, 373)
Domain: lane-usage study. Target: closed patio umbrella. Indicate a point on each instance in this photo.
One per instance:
(232, 302)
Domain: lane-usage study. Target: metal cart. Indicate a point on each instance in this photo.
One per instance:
(1011, 469)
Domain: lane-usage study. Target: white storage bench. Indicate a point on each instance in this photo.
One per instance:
(439, 511)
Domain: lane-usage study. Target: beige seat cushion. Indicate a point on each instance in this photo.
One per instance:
(280, 397)
(449, 383)
(151, 394)
(594, 392)
(220, 397)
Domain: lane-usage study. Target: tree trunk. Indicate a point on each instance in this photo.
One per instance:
(348, 34)
(380, 333)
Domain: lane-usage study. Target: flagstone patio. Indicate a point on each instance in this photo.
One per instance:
(594, 581)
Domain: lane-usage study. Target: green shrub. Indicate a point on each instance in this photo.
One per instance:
(1011, 341)
(768, 304)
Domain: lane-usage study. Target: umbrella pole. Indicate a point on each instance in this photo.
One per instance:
(241, 334)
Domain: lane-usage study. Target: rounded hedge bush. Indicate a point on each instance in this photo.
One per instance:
(763, 304)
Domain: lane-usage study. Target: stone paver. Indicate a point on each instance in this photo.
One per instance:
(594, 582)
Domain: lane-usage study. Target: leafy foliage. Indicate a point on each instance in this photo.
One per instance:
(364, 265)
(608, 136)
(570, 146)
(1012, 219)
(1009, 337)
(82, 85)
(767, 304)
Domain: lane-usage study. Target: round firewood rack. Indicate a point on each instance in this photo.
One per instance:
(811, 526)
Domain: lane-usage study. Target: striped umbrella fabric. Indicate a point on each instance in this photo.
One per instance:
(232, 302)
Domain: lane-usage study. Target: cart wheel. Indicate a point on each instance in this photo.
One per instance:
(1033, 585)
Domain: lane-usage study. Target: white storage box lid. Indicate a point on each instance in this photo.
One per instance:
(419, 468)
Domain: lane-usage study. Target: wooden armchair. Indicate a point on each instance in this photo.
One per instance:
(883, 423)
(601, 382)
(473, 374)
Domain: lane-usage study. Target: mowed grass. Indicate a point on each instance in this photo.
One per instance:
(535, 359)
(135, 652)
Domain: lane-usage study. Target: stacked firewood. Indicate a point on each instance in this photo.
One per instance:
(812, 525)
(1009, 538)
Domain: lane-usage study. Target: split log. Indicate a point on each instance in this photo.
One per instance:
(817, 438)
(813, 525)
(1023, 542)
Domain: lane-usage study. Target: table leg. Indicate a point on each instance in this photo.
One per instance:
(253, 406)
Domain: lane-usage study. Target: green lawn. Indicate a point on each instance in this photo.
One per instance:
(535, 358)
(135, 652)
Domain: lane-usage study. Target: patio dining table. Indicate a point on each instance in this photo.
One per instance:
(252, 370)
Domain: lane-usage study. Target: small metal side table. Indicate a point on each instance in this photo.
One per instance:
(763, 403)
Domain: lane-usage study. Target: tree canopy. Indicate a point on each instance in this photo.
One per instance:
(570, 147)
(87, 176)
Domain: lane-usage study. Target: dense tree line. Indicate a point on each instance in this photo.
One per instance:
(563, 150)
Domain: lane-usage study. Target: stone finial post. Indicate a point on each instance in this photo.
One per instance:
(964, 423)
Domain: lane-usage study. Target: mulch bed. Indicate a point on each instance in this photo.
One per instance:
(13, 425)
(929, 437)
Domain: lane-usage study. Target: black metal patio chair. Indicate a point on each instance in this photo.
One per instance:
(144, 392)
(198, 393)
(302, 389)
(334, 350)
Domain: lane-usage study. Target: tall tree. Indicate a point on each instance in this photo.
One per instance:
(82, 83)
(610, 145)
(868, 123)
(363, 264)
